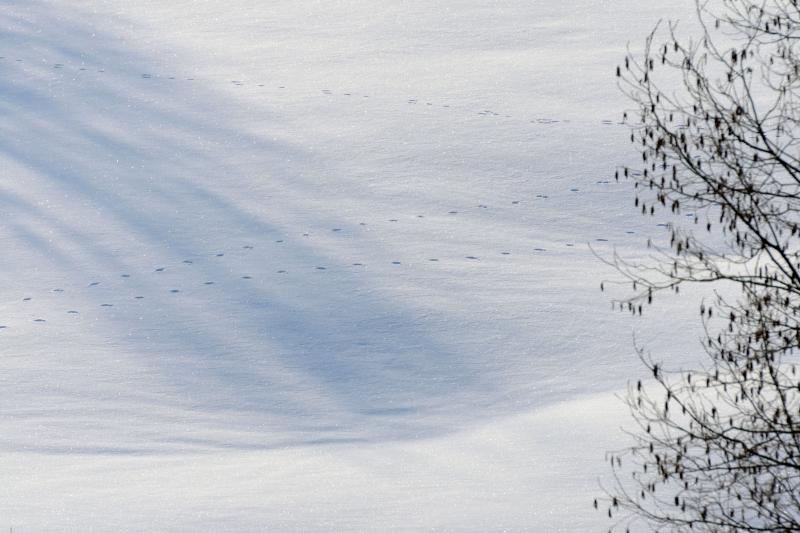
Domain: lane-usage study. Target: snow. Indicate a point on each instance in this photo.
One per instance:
(315, 266)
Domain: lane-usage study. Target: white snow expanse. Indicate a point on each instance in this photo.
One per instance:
(315, 265)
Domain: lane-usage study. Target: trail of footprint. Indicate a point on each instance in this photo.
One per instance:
(239, 83)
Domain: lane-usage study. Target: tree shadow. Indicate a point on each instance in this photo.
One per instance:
(107, 171)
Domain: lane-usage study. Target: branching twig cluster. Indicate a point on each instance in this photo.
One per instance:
(719, 448)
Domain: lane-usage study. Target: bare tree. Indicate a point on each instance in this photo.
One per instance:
(716, 121)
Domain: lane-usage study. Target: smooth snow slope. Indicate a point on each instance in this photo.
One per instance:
(314, 265)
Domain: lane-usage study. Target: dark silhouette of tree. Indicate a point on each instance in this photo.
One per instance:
(717, 123)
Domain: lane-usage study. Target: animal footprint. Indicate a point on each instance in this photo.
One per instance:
(125, 275)
(601, 240)
(247, 247)
(433, 260)
(139, 297)
(395, 262)
(160, 269)
(336, 229)
(281, 272)
(174, 291)
(452, 212)
(472, 257)
(94, 284)
(208, 283)
(321, 268)
(539, 250)
(58, 290)
(39, 320)
(247, 277)
(26, 299)
(220, 254)
(505, 253)
(72, 312)
(106, 305)
(358, 264)
(187, 261)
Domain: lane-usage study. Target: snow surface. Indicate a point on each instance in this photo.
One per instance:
(315, 265)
